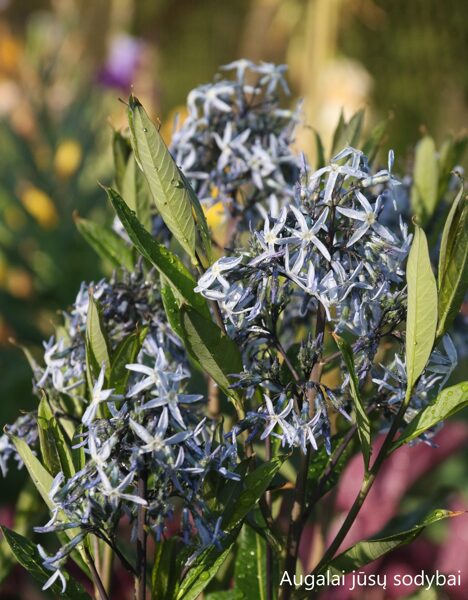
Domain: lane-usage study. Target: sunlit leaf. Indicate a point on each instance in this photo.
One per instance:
(167, 263)
(168, 190)
(55, 451)
(367, 551)
(421, 319)
(448, 402)
(136, 193)
(453, 263)
(424, 192)
(96, 337)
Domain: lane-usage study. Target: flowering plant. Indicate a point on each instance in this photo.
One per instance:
(205, 399)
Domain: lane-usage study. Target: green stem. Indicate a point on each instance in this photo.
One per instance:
(364, 490)
(299, 505)
(95, 576)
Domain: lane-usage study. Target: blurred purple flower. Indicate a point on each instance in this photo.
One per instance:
(122, 62)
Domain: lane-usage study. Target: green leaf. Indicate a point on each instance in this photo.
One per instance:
(424, 192)
(203, 231)
(250, 574)
(167, 263)
(171, 306)
(27, 510)
(448, 402)
(125, 353)
(205, 568)
(165, 576)
(42, 480)
(362, 419)
(95, 336)
(28, 556)
(136, 193)
(56, 453)
(255, 484)
(348, 134)
(421, 321)
(450, 154)
(106, 243)
(367, 551)
(169, 192)
(40, 477)
(225, 595)
(319, 462)
(453, 263)
(320, 151)
(372, 144)
(212, 349)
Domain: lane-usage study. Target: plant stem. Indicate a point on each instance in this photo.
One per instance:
(107, 564)
(140, 580)
(95, 575)
(364, 490)
(269, 553)
(297, 512)
(214, 408)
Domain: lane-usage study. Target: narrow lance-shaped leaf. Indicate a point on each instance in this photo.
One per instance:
(42, 480)
(255, 485)
(424, 193)
(239, 505)
(205, 567)
(421, 321)
(165, 575)
(136, 193)
(55, 450)
(347, 134)
(106, 243)
(366, 551)
(372, 145)
(169, 192)
(212, 349)
(448, 402)
(171, 306)
(453, 263)
(362, 419)
(96, 336)
(166, 262)
(125, 353)
(28, 556)
(250, 573)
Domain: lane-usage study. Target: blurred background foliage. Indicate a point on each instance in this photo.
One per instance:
(65, 63)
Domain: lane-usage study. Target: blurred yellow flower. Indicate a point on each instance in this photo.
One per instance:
(217, 220)
(67, 158)
(40, 206)
(9, 52)
(19, 283)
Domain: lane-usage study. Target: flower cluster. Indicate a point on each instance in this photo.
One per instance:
(150, 429)
(235, 145)
(326, 253)
(151, 435)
